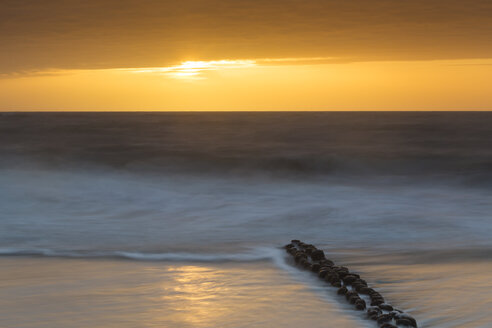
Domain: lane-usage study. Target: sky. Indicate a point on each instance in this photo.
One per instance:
(245, 55)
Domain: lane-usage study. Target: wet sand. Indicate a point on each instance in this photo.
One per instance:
(52, 292)
(445, 290)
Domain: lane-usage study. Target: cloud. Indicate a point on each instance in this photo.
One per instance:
(90, 34)
(196, 69)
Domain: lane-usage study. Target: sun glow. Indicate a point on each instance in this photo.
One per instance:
(257, 84)
(195, 69)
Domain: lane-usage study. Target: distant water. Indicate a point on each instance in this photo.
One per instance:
(404, 198)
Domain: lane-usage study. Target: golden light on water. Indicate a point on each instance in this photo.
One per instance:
(128, 294)
(198, 294)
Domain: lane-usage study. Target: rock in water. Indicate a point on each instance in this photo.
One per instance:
(360, 304)
(384, 318)
(407, 317)
(385, 307)
(318, 255)
(403, 322)
(315, 268)
(349, 279)
(388, 325)
(309, 257)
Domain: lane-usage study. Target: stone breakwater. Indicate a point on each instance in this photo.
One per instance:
(350, 285)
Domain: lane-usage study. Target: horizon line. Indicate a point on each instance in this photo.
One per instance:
(245, 111)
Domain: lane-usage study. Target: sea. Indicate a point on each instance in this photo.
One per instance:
(142, 219)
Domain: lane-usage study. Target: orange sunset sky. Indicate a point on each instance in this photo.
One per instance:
(245, 55)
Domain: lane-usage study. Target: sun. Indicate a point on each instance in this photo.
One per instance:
(195, 69)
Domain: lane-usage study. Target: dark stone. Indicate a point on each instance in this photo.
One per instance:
(327, 270)
(307, 265)
(385, 307)
(377, 297)
(376, 302)
(337, 283)
(403, 322)
(343, 268)
(310, 249)
(327, 262)
(353, 299)
(360, 304)
(360, 281)
(350, 294)
(340, 268)
(349, 279)
(333, 274)
(374, 311)
(330, 277)
(299, 256)
(375, 294)
(384, 318)
(408, 317)
(393, 314)
(388, 325)
(342, 274)
(318, 255)
(365, 290)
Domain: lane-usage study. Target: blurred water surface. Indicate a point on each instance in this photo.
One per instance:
(405, 198)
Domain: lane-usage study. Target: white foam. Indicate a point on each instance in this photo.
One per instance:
(259, 254)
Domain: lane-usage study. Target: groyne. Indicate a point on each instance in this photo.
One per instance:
(350, 285)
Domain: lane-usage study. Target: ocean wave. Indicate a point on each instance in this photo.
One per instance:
(279, 144)
(259, 254)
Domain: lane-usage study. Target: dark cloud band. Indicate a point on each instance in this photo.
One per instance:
(37, 35)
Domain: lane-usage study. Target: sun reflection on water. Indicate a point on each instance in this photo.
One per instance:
(198, 294)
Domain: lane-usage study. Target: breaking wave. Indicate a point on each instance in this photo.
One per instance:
(260, 254)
